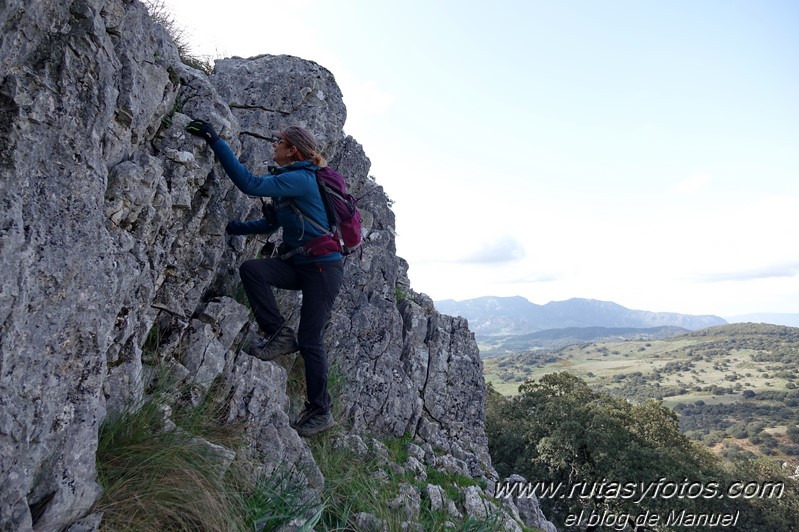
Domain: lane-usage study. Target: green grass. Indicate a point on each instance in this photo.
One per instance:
(179, 475)
(357, 483)
(351, 487)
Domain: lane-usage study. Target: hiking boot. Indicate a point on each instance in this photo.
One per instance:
(306, 413)
(281, 343)
(314, 423)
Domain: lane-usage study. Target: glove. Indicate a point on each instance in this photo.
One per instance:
(201, 128)
(236, 227)
(255, 227)
(269, 212)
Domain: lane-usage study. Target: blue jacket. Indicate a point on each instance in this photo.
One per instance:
(295, 181)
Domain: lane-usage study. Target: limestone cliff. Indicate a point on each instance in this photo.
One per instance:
(112, 228)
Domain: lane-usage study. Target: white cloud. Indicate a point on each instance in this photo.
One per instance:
(504, 249)
(693, 185)
(764, 272)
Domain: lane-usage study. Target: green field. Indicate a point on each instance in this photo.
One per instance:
(725, 382)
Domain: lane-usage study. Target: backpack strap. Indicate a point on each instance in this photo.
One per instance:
(296, 251)
(325, 192)
(310, 220)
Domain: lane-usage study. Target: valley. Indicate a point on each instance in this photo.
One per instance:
(734, 387)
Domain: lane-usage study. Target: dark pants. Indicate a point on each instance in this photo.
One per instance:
(320, 283)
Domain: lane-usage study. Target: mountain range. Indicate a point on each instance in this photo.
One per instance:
(502, 316)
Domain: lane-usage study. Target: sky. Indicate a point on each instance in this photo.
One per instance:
(640, 152)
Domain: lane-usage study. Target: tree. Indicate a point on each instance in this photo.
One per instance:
(558, 430)
(567, 433)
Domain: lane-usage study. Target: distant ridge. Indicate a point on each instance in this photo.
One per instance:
(495, 345)
(788, 320)
(497, 316)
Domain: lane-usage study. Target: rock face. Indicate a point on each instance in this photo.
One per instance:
(112, 228)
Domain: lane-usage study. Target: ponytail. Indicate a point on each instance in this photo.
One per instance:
(306, 144)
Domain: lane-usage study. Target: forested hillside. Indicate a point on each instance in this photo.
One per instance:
(596, 458)
(734, 387)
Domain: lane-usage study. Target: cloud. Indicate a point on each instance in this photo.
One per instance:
(693, 184)
(503, 249)
(765, 272)
(533, 278)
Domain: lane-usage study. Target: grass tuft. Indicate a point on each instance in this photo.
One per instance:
(160, 13)
(355, 483)
(167, 465)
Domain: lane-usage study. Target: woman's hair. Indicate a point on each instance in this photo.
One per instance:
(304, 141)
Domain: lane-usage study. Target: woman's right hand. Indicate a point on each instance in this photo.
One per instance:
(236, 227)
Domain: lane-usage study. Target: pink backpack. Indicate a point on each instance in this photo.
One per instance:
(341, 209)
(344, 235)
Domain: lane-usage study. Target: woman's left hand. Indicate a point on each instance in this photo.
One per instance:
(203, 129)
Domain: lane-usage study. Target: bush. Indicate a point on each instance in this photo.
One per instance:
(790, 450)
(558, 430)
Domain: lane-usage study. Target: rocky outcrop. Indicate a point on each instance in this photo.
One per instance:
(83, 91)
(115, 261)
